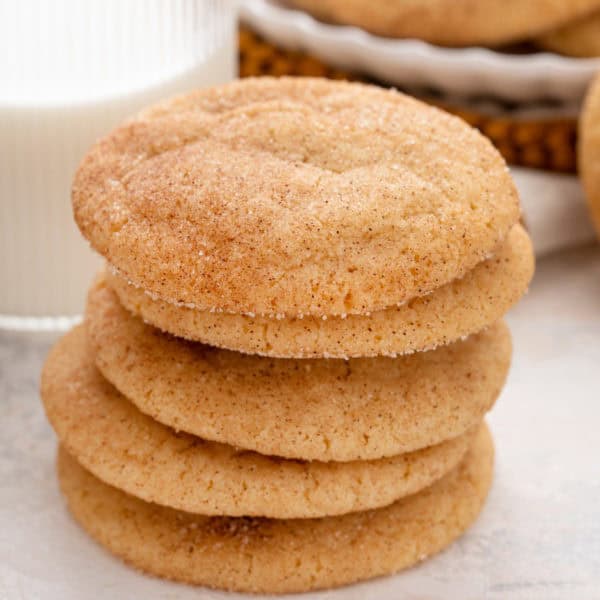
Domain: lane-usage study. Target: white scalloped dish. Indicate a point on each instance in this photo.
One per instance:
(463, 72)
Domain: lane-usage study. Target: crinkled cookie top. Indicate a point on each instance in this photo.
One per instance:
(294, 196)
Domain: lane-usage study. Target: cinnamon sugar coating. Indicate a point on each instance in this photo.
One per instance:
(294, 197)
(129, 450)
(457, 309)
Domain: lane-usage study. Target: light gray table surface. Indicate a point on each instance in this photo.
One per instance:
(537, 538)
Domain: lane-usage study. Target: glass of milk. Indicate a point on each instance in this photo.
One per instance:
(71, 70)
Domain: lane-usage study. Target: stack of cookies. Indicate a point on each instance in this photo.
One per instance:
(282, 375)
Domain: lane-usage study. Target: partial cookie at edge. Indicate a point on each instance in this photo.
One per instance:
(580, 38)
(364, 198)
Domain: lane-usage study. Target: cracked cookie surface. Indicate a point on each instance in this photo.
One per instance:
(292, 197)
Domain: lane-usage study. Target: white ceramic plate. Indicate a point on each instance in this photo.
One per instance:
(411, 63)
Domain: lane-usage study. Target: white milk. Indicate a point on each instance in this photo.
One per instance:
(70, 71)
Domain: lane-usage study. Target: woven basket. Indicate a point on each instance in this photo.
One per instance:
(545, 143)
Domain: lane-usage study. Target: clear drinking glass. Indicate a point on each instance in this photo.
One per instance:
(70, 70)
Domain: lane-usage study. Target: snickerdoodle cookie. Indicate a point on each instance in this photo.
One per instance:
(311, 409)
(277, 556)
(589, 150)
(129, 450)
(581, 38)
(457, 309)
(452, 22)
(293, 197)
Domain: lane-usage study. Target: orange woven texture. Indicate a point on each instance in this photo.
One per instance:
(539, 143)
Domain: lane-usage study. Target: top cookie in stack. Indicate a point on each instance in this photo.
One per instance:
(305, 218)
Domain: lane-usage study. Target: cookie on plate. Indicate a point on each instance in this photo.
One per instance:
(580, 39)
(278, 556)
(310, 409)
(451, 22)
(129, 450)
(589, 150)
(294, 197)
